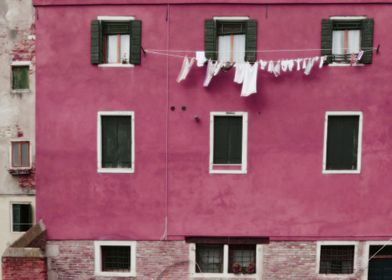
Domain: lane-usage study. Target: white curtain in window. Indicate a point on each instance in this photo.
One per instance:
(231, 48)
(353, 44)
(113, 55)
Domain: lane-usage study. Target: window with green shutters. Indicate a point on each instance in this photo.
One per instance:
(116, 41)
(228, 142)
(342, 142)
(20, 77)
(230, 40)
(22, 217)
(343, 36)
(116, 142)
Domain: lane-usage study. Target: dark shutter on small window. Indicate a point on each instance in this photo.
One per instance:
(342, 142)
(16, 218)
(367, 40)
(116, 141)
(210, 45)
(136, 42)
(227, 140)
(251, 41)
(96, 42)
(20, 77)
(326, 39)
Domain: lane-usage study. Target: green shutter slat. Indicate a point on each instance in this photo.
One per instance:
(136, 42)
(109, 142)
(96, 42)
(221, 140)
(235, 140)
(113, 28)
(210, 45)
(16, 217)
(326, 39)
(251, 41)
(124, 139)
(367, 40)
(342, 142)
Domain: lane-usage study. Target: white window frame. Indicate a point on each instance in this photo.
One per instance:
(348, 18)
(359, 152)
(99, 142)
(225, 274)
(243, 165)
(98, 258)
(17, 63)
(336, 243)
(30, 155)
(12, 214)
(119, 19)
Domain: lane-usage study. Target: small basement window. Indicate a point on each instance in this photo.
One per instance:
(20, 76)
(22, 217)
(337, 259)
(115, 41)
(115, 258)
(209, 258)
(342, 142)
(242, 258)
(228, 142)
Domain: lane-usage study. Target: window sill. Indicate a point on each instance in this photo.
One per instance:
(18, 171)
(116, 170)
(336, 275)
(116, 65)
(341, 171)
(20, 91)
(227, 169)
(224, 275)
(343, 64)
(115, 274)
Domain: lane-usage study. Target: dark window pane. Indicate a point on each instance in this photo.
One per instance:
(116, 141)
(15, 154)
(209, 258)
(242, 258)
(22, 217)
(227, 140)
(25, 154)
(385, 251)
(337, 259)
(347, 24)
(228, 28)
(342, 142)
(113, 28)
(20, 77)
(116, 258)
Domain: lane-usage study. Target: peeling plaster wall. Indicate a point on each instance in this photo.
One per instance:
(17, 111)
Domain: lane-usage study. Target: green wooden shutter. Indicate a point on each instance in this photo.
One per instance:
(326, 39)
(16, 217)
(96, 42)
(251, 41)
(124, 139)
(136, 42)
(109, 142)
(342, 142)
(20, 77)
(235, 140)
(367, 40)
(221, 140)
(210, 45)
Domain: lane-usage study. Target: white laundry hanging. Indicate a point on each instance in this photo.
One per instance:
(185, 68)
(211, 66)
(239, 72)
(263, 64)
(200, 58)
(249, 85)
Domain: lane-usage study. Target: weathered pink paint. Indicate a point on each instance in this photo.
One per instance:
(284, 195)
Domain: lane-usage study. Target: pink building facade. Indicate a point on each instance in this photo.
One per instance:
(287, 202)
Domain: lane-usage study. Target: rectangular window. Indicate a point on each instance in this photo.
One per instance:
(22, 217)
(344, 36)
(115, 41)
(225, 260)
(116, 142)
(115, 258)
(20, 154)
(20, 77)
(230, 39)
(228, 142)
(337, 259)
(209, 258)
(342, 145)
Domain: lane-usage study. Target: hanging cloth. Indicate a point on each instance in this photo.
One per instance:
(200, 58)
(263, 64)
(211, 66)
(185, 68)
(239, 72)
(249, 85)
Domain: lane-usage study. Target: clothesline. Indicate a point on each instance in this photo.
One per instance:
(192, 57)
(260, 51)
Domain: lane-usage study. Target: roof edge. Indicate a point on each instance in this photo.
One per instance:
(38, 3)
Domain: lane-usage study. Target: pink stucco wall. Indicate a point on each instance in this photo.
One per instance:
(284, 195)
